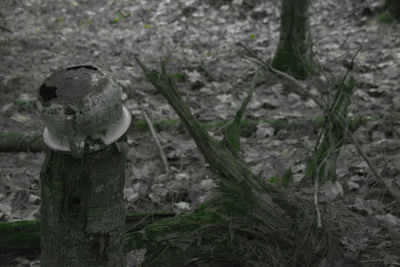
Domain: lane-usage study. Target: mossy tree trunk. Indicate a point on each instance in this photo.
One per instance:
(393, 6)
(82, 210)
(294, 53)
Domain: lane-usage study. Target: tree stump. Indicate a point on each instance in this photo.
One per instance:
(82, 209)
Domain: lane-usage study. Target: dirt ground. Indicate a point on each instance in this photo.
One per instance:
(38, 37)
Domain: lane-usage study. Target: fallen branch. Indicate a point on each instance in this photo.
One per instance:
(249, 222)
(19, 142)
(156, 140)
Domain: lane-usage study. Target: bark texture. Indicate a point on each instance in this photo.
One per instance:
(294, 53)
(394, 8)
(82, 209)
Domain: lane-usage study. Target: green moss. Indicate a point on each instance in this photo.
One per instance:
(169, 123)
(179, 77)
(184, 222)
(141, 125)
(294, 52)
(274, 180)
(318, 121)
(248, 127)
(385, 17)
(289, 61)
(205, 235)
(24, 235)
(278, 124)
(287, 178)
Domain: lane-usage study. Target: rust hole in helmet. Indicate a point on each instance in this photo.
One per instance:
(47, 93)
(83, 66)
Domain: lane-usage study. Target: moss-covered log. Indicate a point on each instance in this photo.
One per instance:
(17, 142)
(250, 224)
(294, 53)
(19, 239)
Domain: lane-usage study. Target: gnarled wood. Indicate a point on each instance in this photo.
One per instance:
(250, 224)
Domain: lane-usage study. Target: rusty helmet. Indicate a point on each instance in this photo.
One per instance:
(82, 109)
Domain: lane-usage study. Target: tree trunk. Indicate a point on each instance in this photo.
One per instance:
(394, 8)
(294, 53)
(82, 209)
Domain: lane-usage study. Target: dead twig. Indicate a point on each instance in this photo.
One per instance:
(156, 140)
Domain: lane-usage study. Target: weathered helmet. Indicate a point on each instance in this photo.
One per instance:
(82, 109)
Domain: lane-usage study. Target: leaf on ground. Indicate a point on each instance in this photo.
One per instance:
(332, 190)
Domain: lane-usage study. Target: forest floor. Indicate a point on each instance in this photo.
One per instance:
(213, 80)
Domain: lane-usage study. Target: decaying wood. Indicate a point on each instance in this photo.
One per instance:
(250, 224)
